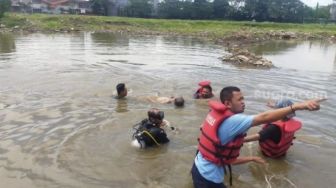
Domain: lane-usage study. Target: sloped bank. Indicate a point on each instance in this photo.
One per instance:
(219, 31)
(242, 38)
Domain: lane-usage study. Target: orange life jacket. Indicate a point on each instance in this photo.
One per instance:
(288, 128)
(209, 143)
(202, 84)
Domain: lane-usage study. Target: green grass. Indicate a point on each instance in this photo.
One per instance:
(207, 28)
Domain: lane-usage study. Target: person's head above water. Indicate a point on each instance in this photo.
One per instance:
(121, 90)
(233, 99)
(205, 90)
(281, 104)
(155, 116)
(179, 102)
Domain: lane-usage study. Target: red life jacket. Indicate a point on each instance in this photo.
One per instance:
(202, 84)
(209, 143)
(288, 128)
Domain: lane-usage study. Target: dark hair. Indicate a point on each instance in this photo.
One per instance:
(179, 101)
(155, 113)
(208, 87)
(120, 87)
(227, 93)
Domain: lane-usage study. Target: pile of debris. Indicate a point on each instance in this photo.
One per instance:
(245, 58)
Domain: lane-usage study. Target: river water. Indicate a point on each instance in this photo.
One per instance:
(61, 127)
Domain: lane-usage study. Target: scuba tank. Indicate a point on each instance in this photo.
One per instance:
(148, 134)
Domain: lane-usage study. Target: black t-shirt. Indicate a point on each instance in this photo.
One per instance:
(271, 132)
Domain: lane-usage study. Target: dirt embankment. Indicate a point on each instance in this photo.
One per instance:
(243, 38)
(224, 33)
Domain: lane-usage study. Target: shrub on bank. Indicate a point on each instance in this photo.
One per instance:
(4, 7)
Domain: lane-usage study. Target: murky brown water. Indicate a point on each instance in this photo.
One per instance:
(60, 127)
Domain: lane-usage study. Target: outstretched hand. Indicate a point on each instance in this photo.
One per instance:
(271, 104)
(311, 105)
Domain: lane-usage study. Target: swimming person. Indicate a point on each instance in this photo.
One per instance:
(204, 91)
(121, 91)
(277, 137)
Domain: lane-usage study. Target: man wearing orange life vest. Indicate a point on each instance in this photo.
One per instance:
(275, 138)
(222, 135)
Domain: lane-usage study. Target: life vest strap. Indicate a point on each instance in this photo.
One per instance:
(230, 171)
(208, 137)
(277, 153)
(223, 147)
(218, 155)
(276, 147)
(208, 150)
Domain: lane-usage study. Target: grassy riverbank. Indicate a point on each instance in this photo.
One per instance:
(218, 30)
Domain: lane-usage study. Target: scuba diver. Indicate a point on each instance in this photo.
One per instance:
(149, 132)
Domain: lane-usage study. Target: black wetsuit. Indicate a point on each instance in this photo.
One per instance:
(157, 133)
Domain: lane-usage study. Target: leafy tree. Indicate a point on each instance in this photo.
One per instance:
(99, 7)
(4, 7)
(139, 8)
(275, 10)
(286, 10)
(202, 9)
(323, 12)
(236, 10)
(257, 9)
(187, 9)
(221, 8)
(171, 9)
(308, 13)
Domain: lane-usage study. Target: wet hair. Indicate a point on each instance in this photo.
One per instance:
(120, 88)
(156, 114)
(208, 87)
(227, 93)
(179, 101)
